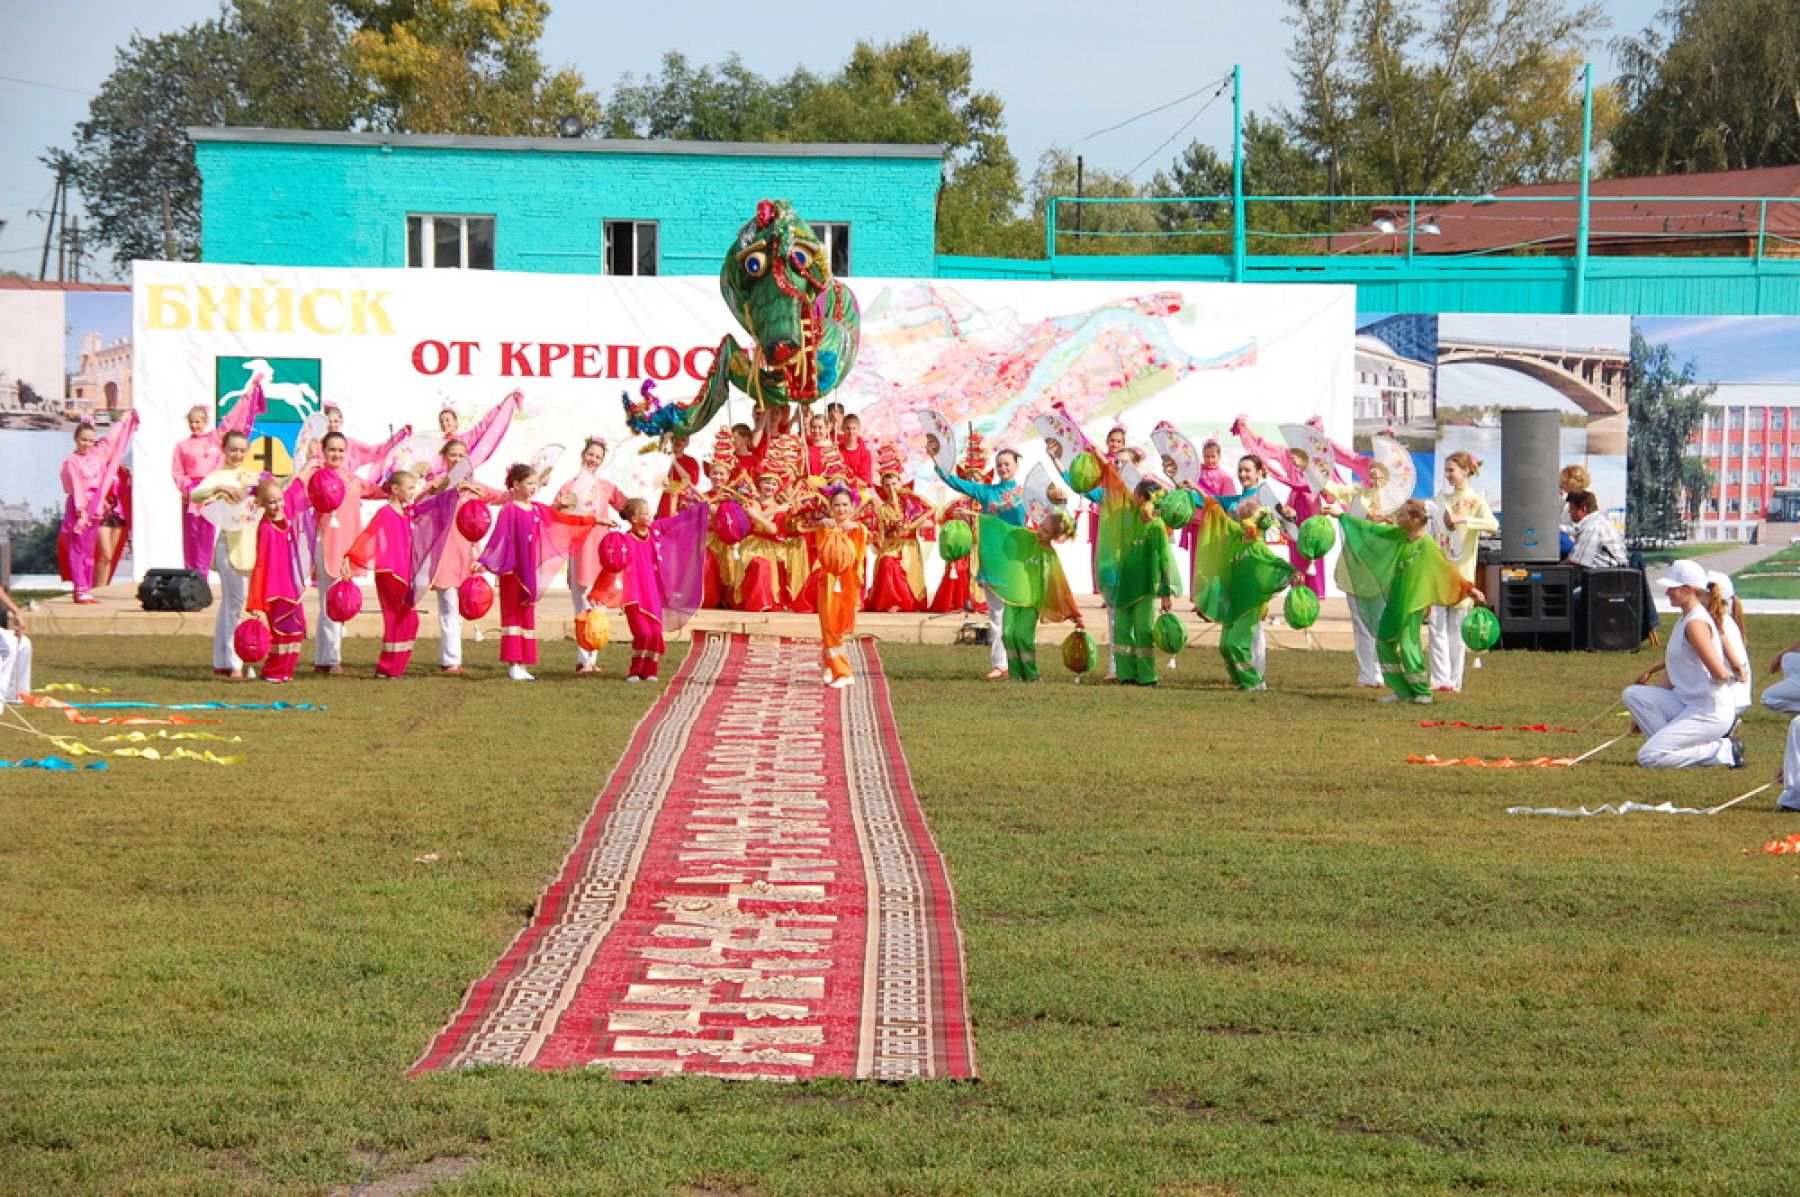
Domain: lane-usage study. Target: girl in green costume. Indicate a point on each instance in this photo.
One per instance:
(1236, 573)
(1020, 567)
(1136, 571)
(1396, 574)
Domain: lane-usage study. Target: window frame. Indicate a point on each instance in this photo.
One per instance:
(428, 240)
(607, 225)
(826, 231)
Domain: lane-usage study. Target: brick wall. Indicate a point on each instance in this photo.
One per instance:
(346, 205)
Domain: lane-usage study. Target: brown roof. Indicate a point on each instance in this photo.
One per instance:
(1549, 225)
(32, 284)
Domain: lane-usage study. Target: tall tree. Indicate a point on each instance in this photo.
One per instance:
(276, 63)
(1717, 88)
(729, 102)
(1274, 164)
(1667, 407)
(1092, 228)
(1455, 97)
(462, 66)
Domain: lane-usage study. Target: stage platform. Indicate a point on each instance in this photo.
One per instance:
(118, 614)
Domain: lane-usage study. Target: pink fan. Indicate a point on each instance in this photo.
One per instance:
(251, 641)
(325, 490)
(474, 597)
(344, 601)
(473, 520)
(730, 523)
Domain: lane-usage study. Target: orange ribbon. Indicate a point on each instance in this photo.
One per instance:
(1529, 727)
(1787, 847)
(1505, 762)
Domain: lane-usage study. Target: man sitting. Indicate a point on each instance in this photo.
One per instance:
(1598, 544)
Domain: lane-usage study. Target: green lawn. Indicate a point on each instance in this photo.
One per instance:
(1774, 577)
(1679, 552)
(1217, 944)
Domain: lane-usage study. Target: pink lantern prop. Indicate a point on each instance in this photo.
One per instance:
(473, 519)
(325, 490)
(344, 601)
(251, 641)
(474, 597)
(615, 552)
(730, 523)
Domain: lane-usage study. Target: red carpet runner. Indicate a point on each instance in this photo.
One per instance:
(755, 895)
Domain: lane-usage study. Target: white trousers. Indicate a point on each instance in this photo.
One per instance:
(233, 588)
(1784, 695)
(579, 593)
(1448, 652)
(449, 629)
(1368, 667)
(1259, 650)
(1112, 641)
(996, 615)
(328, 641)
(15, 665)
(1679, 736)
(1790, 767)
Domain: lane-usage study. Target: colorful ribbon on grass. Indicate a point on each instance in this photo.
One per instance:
(147, 737)
(1527, 727)
(1786, 846)
(75, 748)
(53, 763)
(1505, 762)
(36, 701)
(1623, 808)
(71, 688)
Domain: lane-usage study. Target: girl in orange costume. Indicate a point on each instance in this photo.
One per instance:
(840, 589)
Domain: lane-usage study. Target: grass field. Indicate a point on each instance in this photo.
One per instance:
(1774, 577)
(1679, 552)
(1217, 944)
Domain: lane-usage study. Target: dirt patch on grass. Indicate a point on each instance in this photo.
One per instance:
(414, 1180)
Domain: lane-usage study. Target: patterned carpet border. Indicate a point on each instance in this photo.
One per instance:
(755, 895)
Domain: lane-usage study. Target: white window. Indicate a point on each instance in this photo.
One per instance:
(1755, 478)
(1774, 477)
(1756, 417)
(629, 247)
(435, 240)
(836, 236)
(1755, 506)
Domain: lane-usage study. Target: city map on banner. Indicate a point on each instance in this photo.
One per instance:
(393, 347)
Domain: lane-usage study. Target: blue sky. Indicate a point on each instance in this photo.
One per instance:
(1064, 69)
(1730, 348)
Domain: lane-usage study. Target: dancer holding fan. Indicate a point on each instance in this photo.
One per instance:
(1458, 521)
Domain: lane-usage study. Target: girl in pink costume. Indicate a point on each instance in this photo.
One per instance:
(528, 539)
(89, 476)
(589, 494)
(199, 455)
(338, 530)
(394, 545)
(361, 454)
(483, 440)
(456, 554)
(663, 580)
(278, 581)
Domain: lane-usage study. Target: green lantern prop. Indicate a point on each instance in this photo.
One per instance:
(1316, 537)
(1168, 634)
(1084, 472)
(1301, 608)
(1480, 629)
(1176, 508)
(1079, 652)
(955, 540)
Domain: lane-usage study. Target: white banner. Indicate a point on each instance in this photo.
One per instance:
(393, 347)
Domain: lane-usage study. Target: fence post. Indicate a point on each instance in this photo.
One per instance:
(1587, 154)
(1237, 174)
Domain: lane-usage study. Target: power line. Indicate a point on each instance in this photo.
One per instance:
(52, 86)
(1152, 112)
(1177, 133)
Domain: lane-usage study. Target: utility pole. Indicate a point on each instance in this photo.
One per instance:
(56, 202)
(75, 249)
(1079, 191)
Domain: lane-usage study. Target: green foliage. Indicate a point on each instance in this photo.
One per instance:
(1267, 963)
(1718, 88)
(1667, 407)
(34, 545)
(1274, 164)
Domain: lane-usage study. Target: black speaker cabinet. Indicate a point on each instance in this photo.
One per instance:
(1612, 610)
(174, 590)
(1536, 605)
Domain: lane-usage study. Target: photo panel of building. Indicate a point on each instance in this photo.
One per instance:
(1578, 366)
(1396, 386)
(1747, 371)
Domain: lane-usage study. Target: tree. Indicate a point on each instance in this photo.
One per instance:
(462, 66)
(1667, 408)
(1083, 228)
(1684, 113)
(1474, 95)
(909, 92)
(277, 63)
(1274, 164)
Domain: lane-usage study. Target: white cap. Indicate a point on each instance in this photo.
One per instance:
(1723, 582)
(1684, 573)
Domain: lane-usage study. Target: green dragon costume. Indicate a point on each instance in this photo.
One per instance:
(804, 326)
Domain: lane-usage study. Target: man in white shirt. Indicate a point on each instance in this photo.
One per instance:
(1598, 544)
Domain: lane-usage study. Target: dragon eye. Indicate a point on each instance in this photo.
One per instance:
(755, 264)
(801, 259)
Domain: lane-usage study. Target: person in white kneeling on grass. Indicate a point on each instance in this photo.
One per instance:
(15, 651)
(1686, 713)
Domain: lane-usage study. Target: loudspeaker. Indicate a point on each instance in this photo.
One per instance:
(1531, 509)
(1536, 600)
(1612, 618)
(174, 590)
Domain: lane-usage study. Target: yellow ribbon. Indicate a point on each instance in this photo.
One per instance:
(71, 688)
(146, 737)
(149, 754)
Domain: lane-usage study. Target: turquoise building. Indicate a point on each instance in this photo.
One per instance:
(286, 197)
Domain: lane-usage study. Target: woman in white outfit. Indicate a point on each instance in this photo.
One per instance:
(1462, 516)
(1687, 713)
(1735, 639)
(234, 552)
(15, 651)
